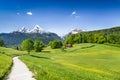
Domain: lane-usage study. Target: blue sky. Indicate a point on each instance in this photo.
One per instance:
(59, 16)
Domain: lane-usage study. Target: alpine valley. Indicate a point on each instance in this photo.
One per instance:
(16, 37)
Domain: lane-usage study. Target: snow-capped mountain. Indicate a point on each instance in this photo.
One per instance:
(35, 29)
(75, 31)
(16, 37)
(72, 31)
(22, 30)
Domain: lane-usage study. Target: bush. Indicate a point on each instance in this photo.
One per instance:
(38, 45)
(27, 45)
(56, 44)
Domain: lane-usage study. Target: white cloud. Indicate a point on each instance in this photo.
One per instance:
(29, 13)
(73, 13)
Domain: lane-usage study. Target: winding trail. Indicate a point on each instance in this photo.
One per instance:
(20, 71)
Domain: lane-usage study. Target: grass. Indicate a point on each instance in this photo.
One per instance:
(6, 55)
(117, 45)
(11, 52)
(5, 65)
(82, 62)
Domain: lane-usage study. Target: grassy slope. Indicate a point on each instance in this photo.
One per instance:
(82, 62)
(11, 52)
(6, 55)
(5, 64)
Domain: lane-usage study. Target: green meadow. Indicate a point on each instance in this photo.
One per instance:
(81, 62)
(5, 65)
(6, 55)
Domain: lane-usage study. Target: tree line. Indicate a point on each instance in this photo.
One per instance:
(110, 36)
(105, 36)
(29, 45)
(38, 45)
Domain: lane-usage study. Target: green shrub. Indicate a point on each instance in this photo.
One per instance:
(56, 44)
(38, 45)
(27, 45)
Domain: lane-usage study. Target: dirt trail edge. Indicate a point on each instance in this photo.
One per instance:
(20, 71)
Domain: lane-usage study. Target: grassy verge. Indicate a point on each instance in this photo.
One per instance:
(82, 62)
(6, 55)
(5, 65)
(11, 52)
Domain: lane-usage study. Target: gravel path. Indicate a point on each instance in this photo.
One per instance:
(20, 71)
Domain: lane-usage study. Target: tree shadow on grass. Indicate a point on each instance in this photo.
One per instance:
(46, 51)
(83, 48)
(87, 47)
(39, 57)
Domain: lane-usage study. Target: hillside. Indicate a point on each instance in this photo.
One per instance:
(15, 38)
(81, 62)
(84, 61)
(115, 30)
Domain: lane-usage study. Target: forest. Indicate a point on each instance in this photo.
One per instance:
(105, 36)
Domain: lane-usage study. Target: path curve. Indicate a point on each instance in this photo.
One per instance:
(20, 71)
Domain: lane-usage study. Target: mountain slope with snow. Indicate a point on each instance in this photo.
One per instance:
(35, 29)
(16, 37)
(72, 31)
(22, 30)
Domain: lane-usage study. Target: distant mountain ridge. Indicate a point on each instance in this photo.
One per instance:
(36, 29)
(16, 37)
(37, 32)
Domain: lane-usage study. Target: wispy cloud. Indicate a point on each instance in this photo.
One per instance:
(29, 13)
(73, 13)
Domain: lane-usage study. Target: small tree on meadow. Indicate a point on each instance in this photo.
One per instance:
(38, 45)
(27, 45)
(56, 44)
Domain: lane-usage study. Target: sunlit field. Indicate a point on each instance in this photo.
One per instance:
(81, 62)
